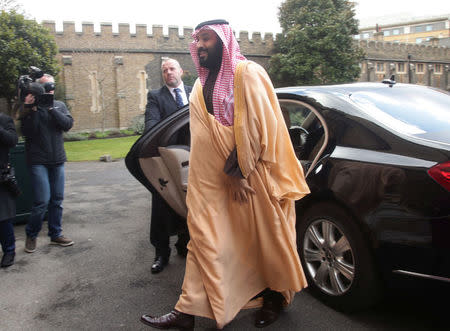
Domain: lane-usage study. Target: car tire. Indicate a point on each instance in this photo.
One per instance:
(336, 258)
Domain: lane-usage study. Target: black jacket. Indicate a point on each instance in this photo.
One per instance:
(43, 130)
(160, 104)
(8, 139)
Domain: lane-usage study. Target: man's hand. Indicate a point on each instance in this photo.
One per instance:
(29, 100)
(239, 189)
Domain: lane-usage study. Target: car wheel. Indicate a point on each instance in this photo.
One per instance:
(336, 259)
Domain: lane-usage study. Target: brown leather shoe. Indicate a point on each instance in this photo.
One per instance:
(273, 303)
(173, 320)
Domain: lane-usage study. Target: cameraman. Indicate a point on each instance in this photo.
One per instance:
(8, 139)
(43, 126)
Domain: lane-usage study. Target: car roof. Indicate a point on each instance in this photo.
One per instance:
(342, 98)
(346, 89)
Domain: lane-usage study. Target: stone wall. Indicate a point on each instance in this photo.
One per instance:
(107, 75)
(410, 63)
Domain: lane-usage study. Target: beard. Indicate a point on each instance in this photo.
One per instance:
(214, 59)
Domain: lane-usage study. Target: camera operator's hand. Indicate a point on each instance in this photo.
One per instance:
(29, 100)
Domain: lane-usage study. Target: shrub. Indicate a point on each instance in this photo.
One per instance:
(99, 134)
(113, 133)
(138, 124)
(127, 132)
(69, 136)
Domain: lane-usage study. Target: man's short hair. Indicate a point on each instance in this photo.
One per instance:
(48, 76)
(167, 59)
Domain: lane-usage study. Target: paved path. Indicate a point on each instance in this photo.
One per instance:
(104, 282)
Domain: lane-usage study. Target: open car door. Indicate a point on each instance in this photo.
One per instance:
(159, 159)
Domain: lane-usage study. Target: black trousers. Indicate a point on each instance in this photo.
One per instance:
(165, 222)
(7, 239)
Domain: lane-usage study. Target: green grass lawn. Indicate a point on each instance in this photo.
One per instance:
(91, 150)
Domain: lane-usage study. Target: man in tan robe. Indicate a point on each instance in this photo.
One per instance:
(243, 181)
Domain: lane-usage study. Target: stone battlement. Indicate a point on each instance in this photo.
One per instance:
(108, 72)
(400, 51)
(69, 39)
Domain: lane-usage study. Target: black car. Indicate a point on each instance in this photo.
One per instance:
(377, 160)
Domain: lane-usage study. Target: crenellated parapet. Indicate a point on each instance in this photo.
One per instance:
(256, 44)
(118, 68)
(143, 39)
(401, 51)
(107, 73)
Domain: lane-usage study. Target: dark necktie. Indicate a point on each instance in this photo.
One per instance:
(178, 98)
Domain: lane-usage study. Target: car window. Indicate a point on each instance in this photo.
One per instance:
(294, 113)
(180, 137)
(307, 131)
(353, 134)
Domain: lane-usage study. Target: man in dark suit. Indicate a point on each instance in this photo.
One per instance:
(169, 98)
(164, 222)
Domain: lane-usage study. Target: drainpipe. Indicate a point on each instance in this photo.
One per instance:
(430, 72)
(409, 68)
(446, 71)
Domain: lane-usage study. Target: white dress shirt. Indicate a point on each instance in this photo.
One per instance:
(182, 93)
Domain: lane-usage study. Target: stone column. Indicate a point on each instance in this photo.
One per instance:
(67, 80)
(120, 93)
(370, 68)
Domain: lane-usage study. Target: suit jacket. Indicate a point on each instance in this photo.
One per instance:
(160, 104)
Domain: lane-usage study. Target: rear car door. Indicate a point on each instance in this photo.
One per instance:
(160, 159)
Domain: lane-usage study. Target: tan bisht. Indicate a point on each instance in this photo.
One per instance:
(238, 250)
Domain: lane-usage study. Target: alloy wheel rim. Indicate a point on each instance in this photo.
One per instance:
(329, 257)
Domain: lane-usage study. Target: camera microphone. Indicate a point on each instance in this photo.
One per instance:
(49, 86)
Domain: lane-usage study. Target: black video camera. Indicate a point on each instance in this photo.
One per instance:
(8, 179)
(27, 85)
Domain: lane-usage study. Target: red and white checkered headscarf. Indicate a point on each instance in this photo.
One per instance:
(223, 99)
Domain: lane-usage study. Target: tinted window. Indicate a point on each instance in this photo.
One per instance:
(294, 113)
(305, 129)
(421, 112)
